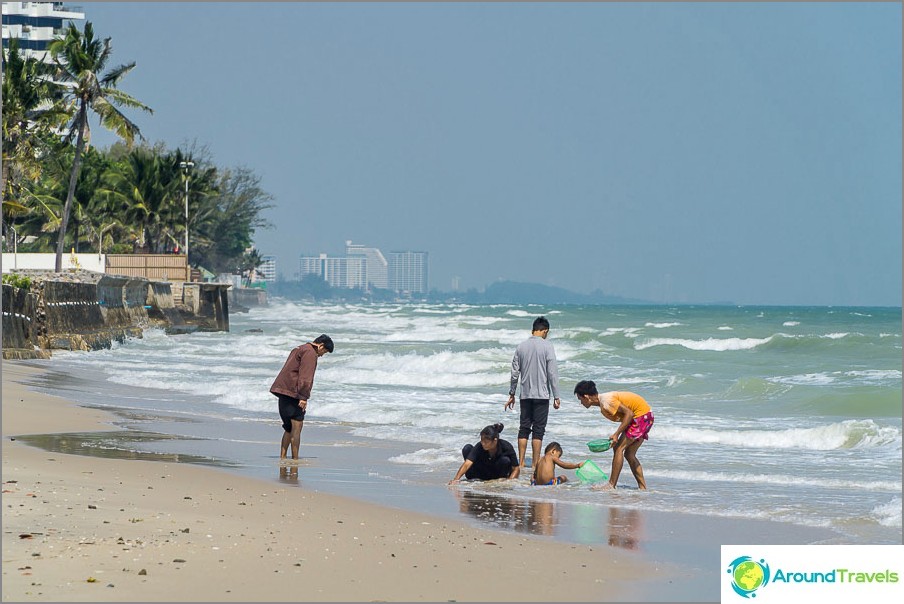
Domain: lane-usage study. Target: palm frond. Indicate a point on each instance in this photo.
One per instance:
(113, 119)
(112, 77)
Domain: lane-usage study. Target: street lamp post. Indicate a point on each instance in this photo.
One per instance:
(15, 246)
(186, 169)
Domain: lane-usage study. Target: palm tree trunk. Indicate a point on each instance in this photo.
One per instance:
(5, 170)
(73, 179)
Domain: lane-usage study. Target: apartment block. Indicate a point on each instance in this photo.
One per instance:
(267, 270)
(36, 24)
(377, 265)
(347, 272)
(408, 272)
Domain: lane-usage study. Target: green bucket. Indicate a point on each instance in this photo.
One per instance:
(590, 472)
(598, 446)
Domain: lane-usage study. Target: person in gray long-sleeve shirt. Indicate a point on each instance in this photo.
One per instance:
(534, 366)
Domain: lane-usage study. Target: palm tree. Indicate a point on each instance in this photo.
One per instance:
(80, 60)
(250, 262)
(145, 187)
(30, 116)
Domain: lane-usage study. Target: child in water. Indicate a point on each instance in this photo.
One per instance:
(545, 469)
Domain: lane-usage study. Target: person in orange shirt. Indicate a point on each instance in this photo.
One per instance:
(634, 417)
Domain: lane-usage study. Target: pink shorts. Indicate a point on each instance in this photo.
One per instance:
(640, 426)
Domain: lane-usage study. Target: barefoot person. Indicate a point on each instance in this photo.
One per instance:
(489, 459)
(534, 366)
(634, 417)
(293, 388)
(545, 469)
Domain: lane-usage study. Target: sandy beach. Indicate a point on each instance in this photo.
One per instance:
(82, 528)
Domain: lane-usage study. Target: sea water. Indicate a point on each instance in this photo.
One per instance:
(777, 413)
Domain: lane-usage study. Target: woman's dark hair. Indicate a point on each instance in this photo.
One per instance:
(492, 431)
(585, 387)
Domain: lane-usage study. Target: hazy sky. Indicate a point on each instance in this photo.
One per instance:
(683, 152)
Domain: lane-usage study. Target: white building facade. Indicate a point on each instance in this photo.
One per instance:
(341, 272)
(377, 265)
(36, 24)
(408, 272)
(267, 270)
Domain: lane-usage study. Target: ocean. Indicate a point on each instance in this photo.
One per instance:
(791, 414)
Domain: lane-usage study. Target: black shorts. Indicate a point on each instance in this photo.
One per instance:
(534, 413)
(289, 410)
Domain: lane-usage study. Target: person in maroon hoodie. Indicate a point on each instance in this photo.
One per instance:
(293, 388)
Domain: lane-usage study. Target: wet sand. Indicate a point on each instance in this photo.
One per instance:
(469, 546)
(88, 528)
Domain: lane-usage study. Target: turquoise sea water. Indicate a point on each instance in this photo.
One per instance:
(781, 413)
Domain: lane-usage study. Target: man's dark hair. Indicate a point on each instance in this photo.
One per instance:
(585, 387)
(540, 323)
(326, 340)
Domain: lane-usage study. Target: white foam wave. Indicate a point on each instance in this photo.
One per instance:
(725, 328)
(428, 457)
(662, 325)
(889, 514)
(777, 479)
(790, 323)
(866, 376)
(440, 370)
(876, 374)
(712, 344)
(806, 379)
(849, 434)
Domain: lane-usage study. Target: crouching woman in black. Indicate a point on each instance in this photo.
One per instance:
(491, 458)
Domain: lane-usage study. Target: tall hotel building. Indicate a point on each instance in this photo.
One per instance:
(408, 272)
(338, 272)
(377, 265)
(36, 24)
(267, 270)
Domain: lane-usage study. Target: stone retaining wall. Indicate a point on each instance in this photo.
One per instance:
(19, 310)
(84, 310)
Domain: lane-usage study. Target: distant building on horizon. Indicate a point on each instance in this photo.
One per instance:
(367, 268)
(346, 272)
(408, 272)
(267, 270)
(377, 265)
(36, 25)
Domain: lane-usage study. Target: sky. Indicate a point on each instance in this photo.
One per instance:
(688, 153)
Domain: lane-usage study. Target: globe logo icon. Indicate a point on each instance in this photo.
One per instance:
(748, 575)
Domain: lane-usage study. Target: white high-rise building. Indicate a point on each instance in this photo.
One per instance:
(377, 266)
(36, 24)
(337, 271)
(267, 270)
(408, 272)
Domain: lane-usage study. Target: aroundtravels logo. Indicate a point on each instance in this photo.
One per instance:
(817, 573)
(748, 575)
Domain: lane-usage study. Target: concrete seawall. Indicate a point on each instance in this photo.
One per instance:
(19, 324)
(84, 310)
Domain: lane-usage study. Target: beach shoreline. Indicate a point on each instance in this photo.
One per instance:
(631, 554)
(84, 528)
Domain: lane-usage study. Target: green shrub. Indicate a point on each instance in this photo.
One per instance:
(20, 281)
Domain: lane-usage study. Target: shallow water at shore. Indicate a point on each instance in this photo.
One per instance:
(788, 414)
(335, 460)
